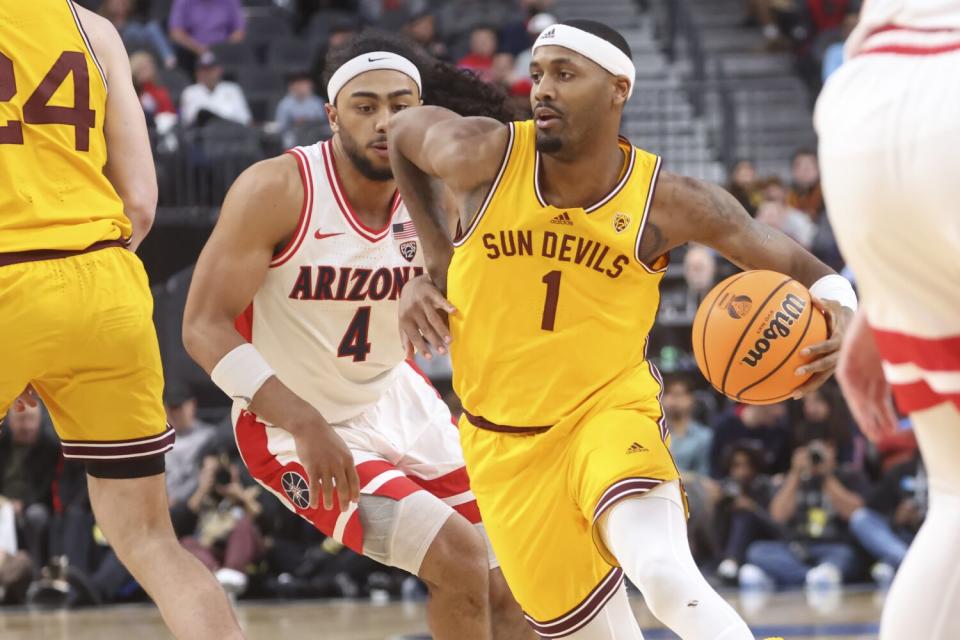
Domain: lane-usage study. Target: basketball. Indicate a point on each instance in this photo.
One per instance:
(748, 334)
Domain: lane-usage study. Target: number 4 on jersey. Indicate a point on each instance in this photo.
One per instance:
(355, 342)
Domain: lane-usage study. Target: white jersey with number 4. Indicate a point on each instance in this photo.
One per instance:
(326, 316)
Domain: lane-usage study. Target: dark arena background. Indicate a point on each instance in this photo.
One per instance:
(724, 92)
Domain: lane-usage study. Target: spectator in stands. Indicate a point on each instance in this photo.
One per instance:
(805, 194)
(823, 414)
(136, 33)
(521, 64)
(28, 462)
(422, 29)
(341, 30)
(213, 97)
(689, 440)
(813, 504)
(483, 46)
(774, 211)
(744, 186)
(760, 426)
(194, 437)
(226, 539)
(300, 106)
(197, 25)
(893, 513)
(741, 516)
(699, 273)
(154, 97)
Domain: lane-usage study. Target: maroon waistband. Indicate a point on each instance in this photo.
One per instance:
(16, 257)
(482, 423)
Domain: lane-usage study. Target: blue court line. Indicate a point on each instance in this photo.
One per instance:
(787, 631)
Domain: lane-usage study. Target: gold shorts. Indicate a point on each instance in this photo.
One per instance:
(80, 330)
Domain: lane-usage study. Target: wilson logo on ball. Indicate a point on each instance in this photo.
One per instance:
(779, 327)
(739, 307)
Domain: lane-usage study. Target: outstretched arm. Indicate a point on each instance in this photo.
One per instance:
(688, 210)
(432, 151)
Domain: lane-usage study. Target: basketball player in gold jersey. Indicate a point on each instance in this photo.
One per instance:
(563, 235)
(77, 196)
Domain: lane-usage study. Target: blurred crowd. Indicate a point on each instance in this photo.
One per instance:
(780, 495)
(814, 30)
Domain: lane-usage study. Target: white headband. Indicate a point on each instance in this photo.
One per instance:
(373, 61)
(590, 46)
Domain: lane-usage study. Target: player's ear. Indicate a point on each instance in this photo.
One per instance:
(333, 117)
(621, 89)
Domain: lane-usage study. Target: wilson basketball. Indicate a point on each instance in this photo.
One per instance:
(748, 334)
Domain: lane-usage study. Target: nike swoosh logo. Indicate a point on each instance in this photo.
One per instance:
(321, 236)
(375, 59)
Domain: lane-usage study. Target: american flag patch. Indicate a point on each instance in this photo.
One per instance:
(404, 230)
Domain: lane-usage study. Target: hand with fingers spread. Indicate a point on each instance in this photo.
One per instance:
(824, 355)
(424, 315)
(860, 373)
(328, 463)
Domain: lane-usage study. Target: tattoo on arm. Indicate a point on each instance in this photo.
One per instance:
(653, 245)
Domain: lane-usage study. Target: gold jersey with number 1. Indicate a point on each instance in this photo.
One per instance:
(53, 94)
(561, 407)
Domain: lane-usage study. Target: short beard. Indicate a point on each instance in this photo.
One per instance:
(548, 144)
(361, 162)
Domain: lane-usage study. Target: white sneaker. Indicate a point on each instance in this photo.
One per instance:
(882, 573)
(753, 577)
(728, 569)
(232, 581)
(824, 576)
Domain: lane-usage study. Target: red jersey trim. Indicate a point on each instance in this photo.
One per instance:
(306, 176)
(339, 194)
(905, 50)
(930, 354)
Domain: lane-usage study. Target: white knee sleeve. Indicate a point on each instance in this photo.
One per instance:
(614, 622)
(648, 535)
(399, 533)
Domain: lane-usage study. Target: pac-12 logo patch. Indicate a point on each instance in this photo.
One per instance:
(620, 222)
(408, 250)
(296, 488)
(739, 306)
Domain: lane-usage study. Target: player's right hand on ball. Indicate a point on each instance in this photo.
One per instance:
(423, 317)
(329, 465)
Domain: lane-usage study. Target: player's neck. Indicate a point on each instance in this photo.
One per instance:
(583, 177)
(371, 200)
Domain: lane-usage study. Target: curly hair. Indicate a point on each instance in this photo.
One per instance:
(444, 85)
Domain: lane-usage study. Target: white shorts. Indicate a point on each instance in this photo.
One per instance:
(889, 124)
(406, 449)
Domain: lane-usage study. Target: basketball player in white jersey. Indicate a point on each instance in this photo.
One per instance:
(889, 125)
(309, 255)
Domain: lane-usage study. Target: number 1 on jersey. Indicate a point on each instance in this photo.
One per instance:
(552, 280)
(355, 342)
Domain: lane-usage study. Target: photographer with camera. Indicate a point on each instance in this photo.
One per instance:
(225, 537)
(741, 515)
(813, 505)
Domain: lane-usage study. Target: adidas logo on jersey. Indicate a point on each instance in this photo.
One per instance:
(563, 218)
(636, 447)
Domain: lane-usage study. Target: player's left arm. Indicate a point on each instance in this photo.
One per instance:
(129, 165)
(695, 211)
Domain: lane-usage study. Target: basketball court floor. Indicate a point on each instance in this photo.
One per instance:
(846, 615)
